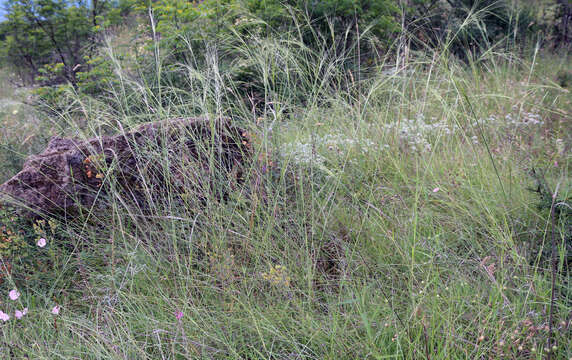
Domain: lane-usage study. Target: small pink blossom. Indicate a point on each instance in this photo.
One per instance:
(14, 294)
(41, 242)
(436, 190)
(3, 316)
(179, 315)
(20, 314)
(56, 310)
(556, 163)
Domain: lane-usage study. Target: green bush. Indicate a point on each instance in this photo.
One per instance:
(467, 28)
(40, 34)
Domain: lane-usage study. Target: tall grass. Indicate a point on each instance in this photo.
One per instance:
(387, 215)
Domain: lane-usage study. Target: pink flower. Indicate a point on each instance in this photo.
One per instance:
(3, 316)
(20, 314)
(179, 315)
(14, 294)
(436, 190)
(556, 163)
(56, 310)
(41, 242)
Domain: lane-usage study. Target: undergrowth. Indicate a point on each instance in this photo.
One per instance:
(385, 216)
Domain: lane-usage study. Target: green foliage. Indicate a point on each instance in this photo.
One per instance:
(18, 239)
(379, 14)
(554, 19)
(468, 27)
(39, 34)
(562, 208)
(564, 78)
(22, 259)
(372, 200)
(53, 73)
(12, 238)
(177, 31)
(48, 40)
(184, 21)
(43, 32)
(98, 77)
(22, 133)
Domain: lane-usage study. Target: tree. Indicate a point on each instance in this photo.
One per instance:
(46, 40)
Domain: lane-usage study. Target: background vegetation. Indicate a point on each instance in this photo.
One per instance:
(412, 175)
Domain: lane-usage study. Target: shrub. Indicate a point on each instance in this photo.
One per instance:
(54, 33)
(467, 27)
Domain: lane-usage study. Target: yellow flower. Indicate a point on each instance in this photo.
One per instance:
(277, 276)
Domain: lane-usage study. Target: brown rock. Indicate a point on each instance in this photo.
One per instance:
(177, 155)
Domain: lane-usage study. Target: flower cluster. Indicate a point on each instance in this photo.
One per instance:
(315, 152)
(302, 153)
(416, 133)
(14, 294)
(277, 276)
(525, 119)
(515, 119)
